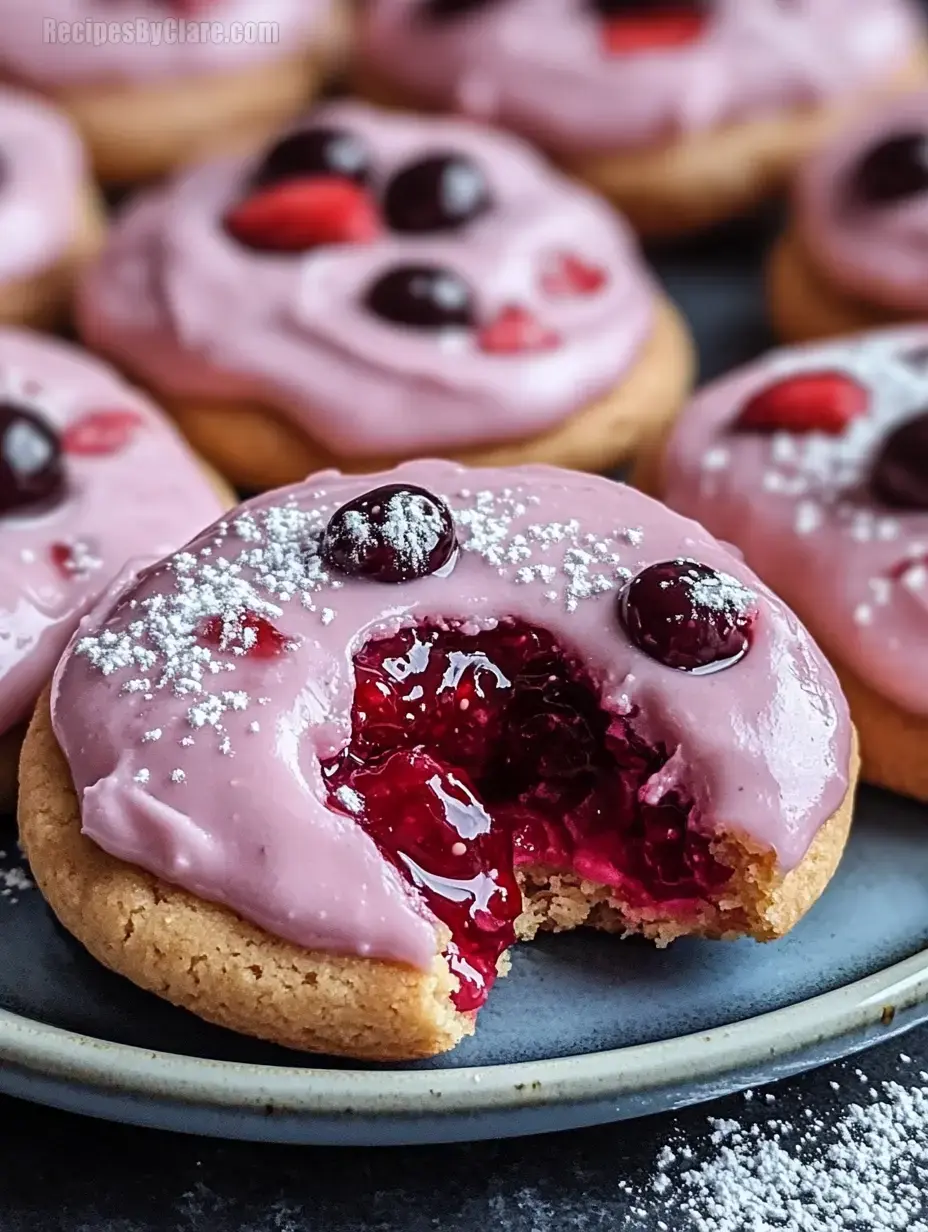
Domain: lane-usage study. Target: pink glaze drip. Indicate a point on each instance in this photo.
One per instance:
(139, 500)
(214, 781)
(132, 40)
(42, 178)
(799, 507)
(195, 313)
(879, 253)
(538, 66)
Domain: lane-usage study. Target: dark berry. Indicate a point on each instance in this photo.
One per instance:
(687, 615)
(437, 193)
(448, 10)
(899, 475)
(423, 297)
(645, 8)
(392, 534)
(890, 171)
(31, 465)
(316, 151)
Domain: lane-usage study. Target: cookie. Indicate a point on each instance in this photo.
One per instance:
(376, 287)
(49, 212)
(152, 85)
(853, 256)
(91, 475)
(813, 461)
(389, 724)
(684, 114)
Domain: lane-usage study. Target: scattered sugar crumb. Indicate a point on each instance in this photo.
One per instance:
(865, 1172)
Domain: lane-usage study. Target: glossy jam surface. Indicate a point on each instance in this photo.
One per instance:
(473, 754)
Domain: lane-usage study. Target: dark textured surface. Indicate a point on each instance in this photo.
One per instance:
(58, 1171)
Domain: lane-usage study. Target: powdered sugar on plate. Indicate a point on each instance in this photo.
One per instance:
(864, 1171)
(14, 879)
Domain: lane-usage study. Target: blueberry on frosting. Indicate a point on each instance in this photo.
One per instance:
(394, 533)
(437, 193)
(423, 297)
(31, 466)
(899, 475)
(890, 171)
(688, 616)
(326, 150)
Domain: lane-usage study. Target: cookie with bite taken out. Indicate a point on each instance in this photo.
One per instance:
(364, 733)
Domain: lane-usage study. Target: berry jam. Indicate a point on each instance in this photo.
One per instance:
(473, 755)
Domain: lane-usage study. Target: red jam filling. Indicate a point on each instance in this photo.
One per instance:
(473, 755)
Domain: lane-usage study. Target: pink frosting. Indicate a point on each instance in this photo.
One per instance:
(139, 500)
(193, 312)
(149, 40)
(539, 66)
(799, 507)
(42, 177)
(212, 779)
(880, 253)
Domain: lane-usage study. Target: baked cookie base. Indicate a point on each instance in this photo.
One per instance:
(804, 305)
(256, 447)
(206, 958)
(701, 179)
(42, 300)
(892, 740)
(140, 131)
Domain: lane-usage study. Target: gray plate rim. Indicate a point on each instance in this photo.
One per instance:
(52, 1053)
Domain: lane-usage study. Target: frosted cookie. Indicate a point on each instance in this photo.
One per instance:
(684, 112)
(90, 475)
(375, 287)
(360, 736)
(855, 254)
(814, 462)
(153, 83)
(50, 218)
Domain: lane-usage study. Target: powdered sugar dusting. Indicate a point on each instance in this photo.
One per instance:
(868, 1169)
(207, 613)
(14, 880)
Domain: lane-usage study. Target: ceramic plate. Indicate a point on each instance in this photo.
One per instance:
(586, 1029)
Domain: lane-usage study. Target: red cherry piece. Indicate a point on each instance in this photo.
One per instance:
(298, 214)
(568, 274)
(514, 331)
(807, 402)
(476, 754)
(623, 36)
(73, 560)
(255, 636)
(101, 433)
